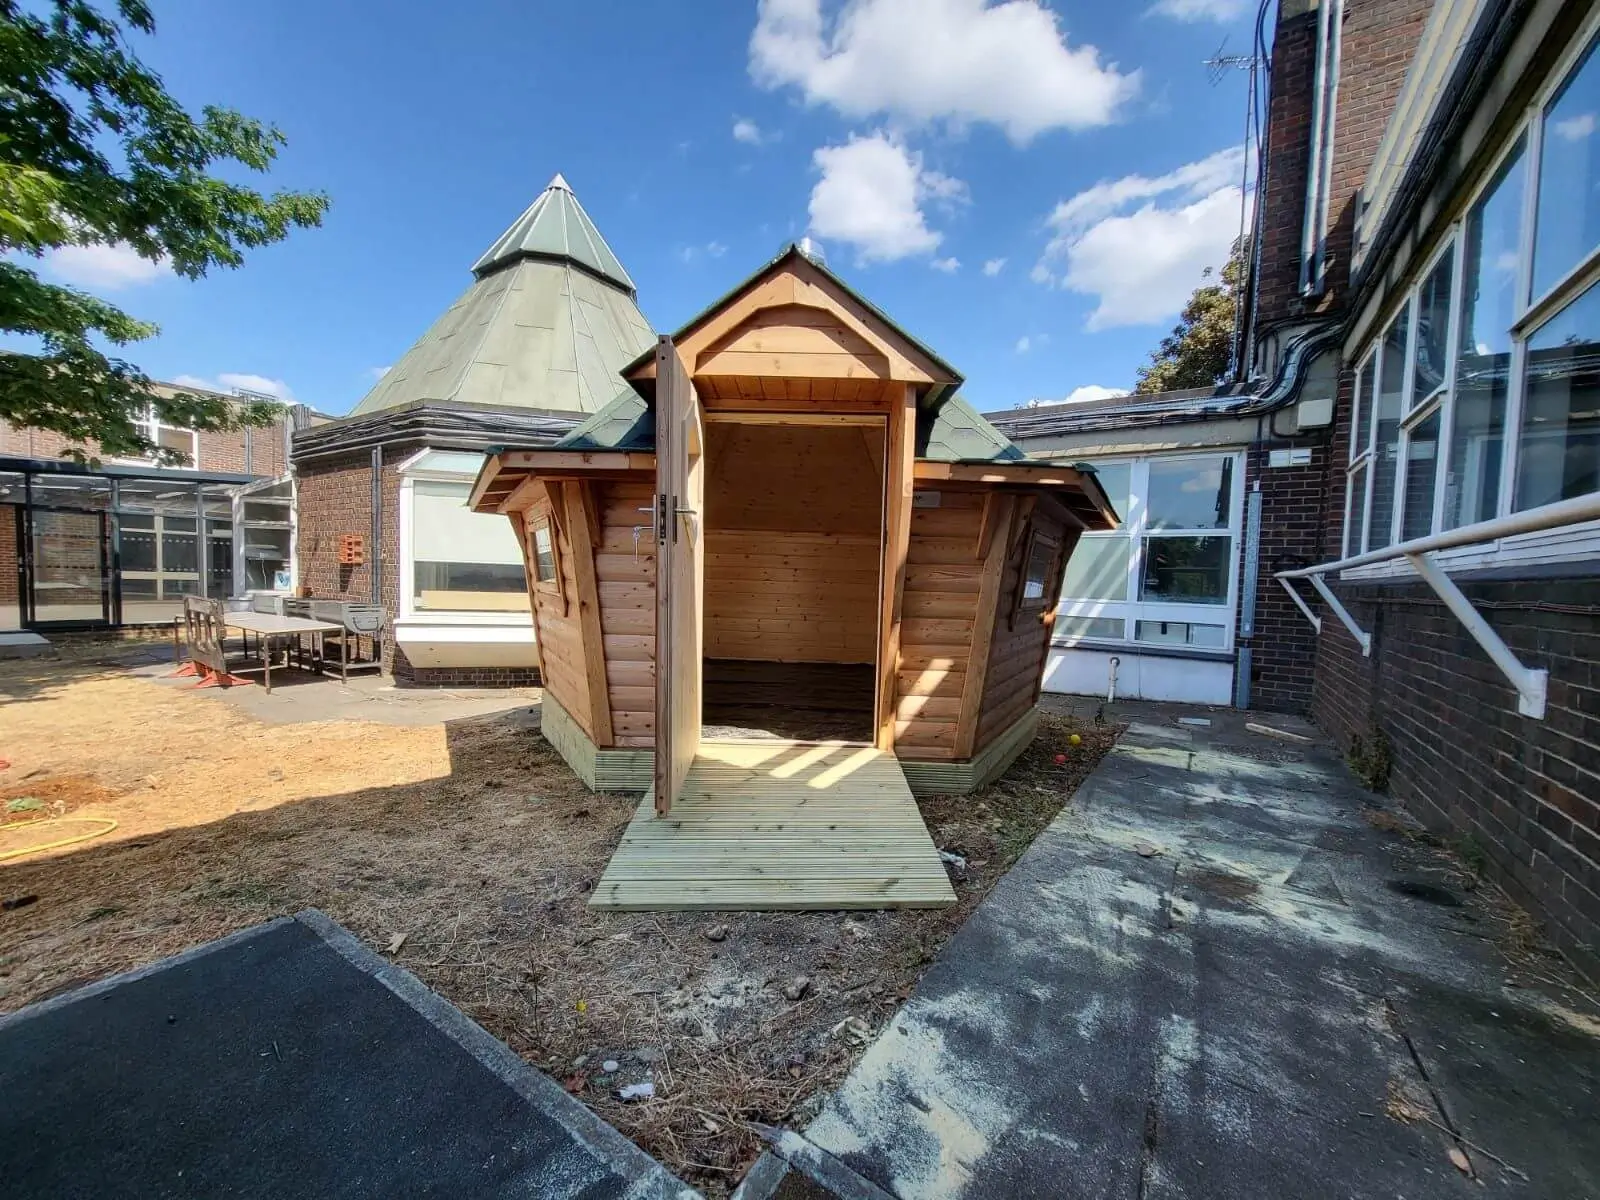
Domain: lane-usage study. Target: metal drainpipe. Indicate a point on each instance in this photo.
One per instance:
(375, 556)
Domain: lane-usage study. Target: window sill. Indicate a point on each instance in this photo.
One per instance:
(1145, 650)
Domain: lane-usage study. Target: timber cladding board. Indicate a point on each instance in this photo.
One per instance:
(625, 566)
(792, 542)
(1020, 641)
(558, 625)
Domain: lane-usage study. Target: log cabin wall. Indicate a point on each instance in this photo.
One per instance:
(625, 568)
(558, 625)
(944, 578)
(792, 542)
(1021, 637)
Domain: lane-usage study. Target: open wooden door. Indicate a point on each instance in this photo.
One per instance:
(680, 573)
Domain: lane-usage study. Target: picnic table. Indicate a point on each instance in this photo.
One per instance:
(270, 628)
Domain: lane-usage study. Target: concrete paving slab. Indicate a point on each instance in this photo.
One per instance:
(303, 696)
(288, 1061)
(1251, 1011)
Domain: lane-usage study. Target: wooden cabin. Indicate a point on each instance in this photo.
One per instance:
(789, 530)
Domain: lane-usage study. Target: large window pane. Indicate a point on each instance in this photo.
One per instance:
(1187, 570)
(1422, 462)
(465, 561)
(1488, 304)
(1433, 329)
(1388, 406)
(1116, 479)
(1568, 223)
(1366, 384)
(1098, 568)
(1355, 523)
(1559, 452)
(1193, 493)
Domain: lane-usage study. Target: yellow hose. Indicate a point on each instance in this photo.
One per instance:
(71, 841)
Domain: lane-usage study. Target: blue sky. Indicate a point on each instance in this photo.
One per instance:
(1032, 189)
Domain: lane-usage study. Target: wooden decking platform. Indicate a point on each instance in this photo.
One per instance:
(780, 825)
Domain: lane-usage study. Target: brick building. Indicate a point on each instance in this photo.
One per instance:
(122, 541)
(1428, 244)
(531, 348)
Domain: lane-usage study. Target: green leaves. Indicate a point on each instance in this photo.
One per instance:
(1199, 350)
(94, 151)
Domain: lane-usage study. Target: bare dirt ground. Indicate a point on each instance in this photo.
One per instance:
(467, 853)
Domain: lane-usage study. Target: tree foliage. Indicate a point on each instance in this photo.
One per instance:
(94, 151)
(1198, 351)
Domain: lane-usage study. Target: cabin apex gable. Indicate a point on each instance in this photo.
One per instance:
(796, 319)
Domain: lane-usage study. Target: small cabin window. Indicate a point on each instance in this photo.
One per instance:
(544, 553)
(1039, 571)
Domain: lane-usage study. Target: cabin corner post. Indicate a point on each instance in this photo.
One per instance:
(577, 501)
(898, 484)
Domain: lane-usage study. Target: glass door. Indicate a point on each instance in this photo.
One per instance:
(68, 568)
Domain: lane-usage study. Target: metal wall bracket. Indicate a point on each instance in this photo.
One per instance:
(1360, 635)
(1532, 686)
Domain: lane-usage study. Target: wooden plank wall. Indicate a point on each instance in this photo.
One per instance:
(559, 628)
(1017, 652)
(943, 579)
(792, 543)
(626, 572)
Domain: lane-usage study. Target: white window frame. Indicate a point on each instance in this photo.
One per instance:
(1130, 609)
(410, 473)
(1530, 314)
(151, 425)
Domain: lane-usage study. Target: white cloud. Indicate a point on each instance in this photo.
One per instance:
(111, 266)
(994, 266)
(1024, 344)
(716, 249)
(1201, 10)
(948, 265)
(871, 195)
(1093, 391)
(1141, 245)
(227, 381)
(961, 61)
(688, 254)
(1576, 127)
(747, 131)
(377, 373)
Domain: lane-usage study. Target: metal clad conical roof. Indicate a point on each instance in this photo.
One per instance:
(548, 323)
(555, 227)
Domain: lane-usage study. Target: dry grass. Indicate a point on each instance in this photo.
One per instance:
(477, 844)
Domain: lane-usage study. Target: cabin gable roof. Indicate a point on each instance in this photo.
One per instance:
(795, 317)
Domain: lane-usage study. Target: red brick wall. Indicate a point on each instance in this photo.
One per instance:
(1292, 520)
(223, 452)
(1379, 38)
(8, 555)
(335, 497)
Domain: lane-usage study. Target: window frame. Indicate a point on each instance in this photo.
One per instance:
(151, 425)
(1129, 608)
(1530, 314)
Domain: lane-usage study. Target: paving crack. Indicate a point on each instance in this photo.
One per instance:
(1446, 1122)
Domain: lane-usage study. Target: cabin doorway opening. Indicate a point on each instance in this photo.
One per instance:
(794, 537)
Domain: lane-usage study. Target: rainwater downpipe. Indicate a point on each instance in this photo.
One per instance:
(1325, 91)
(375, 555)
(1111, 679)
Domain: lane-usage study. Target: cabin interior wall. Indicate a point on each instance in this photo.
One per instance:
(793, 547)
